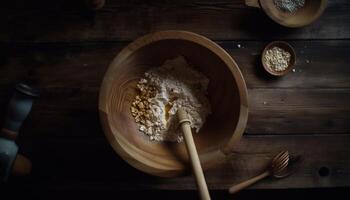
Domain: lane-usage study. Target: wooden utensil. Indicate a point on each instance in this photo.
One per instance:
(310, 12)
(223, 127)
(277, 169)
(285, 46)
(192, 152)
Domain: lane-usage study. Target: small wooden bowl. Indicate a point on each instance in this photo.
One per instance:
(285, 46)
(311, 11)
(227, 94)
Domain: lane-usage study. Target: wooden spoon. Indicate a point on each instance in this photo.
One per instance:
(192, 151)
(277, 169)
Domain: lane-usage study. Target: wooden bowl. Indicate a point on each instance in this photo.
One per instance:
(285, 46)
(227, 94)
(311, 11)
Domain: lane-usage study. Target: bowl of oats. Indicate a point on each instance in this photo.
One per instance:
(291, 13)
(154, 76)
(278, 58)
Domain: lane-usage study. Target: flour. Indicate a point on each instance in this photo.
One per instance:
(163, 90)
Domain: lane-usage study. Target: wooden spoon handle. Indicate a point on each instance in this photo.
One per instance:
(191, 149)
(248, 182)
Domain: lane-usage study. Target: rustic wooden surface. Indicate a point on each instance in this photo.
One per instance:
(65, 50)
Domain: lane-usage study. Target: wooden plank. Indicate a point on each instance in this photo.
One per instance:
(57, 66)
(272, 111)
(298, 111)
(80, 163)
(320, 64)
(106, 191)
(69, 77)
(77, 5)
(63, 136)
(224, 20)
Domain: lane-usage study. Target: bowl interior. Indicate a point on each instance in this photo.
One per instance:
(285, 46)
(304, 16)
(222, 93)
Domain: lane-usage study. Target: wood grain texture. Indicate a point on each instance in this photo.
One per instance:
(287, 111)
(127, 20)
(88, 163)
(298, 111)
(65, 50)
(70, 94)
(320, 64)
(105, 191)
(185, 124)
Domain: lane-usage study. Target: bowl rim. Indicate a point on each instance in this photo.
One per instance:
(265, 7)
(118, 143)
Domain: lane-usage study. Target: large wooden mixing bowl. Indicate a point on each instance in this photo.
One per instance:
(227, 94)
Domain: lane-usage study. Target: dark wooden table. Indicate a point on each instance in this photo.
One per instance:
(65, 50)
